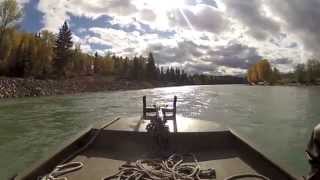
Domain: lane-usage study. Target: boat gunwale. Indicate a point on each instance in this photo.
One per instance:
(255, 148)
(59, 150)
(72, 141)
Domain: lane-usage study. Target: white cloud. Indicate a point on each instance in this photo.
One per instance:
(199, 18)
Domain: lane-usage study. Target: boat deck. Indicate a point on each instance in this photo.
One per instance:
(126, 141)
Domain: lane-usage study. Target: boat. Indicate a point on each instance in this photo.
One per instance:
(98, 152)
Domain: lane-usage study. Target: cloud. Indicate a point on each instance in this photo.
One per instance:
(204, 18)
(147, 15)
(179, 52)
(204, 2)
(235, 56)
(292, 45)
(55, 12)
(252, 15)
(282, 61)
(301, 18)
(209, 3)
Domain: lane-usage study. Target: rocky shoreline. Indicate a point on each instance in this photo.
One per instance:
(19, 87)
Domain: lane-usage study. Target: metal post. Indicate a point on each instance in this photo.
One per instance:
(174, 114)
(174, 106)
(144, 107)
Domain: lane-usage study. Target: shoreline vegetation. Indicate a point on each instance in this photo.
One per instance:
(45, 63)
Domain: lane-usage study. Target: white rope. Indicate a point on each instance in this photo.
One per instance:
(63, 169)
(172, 168)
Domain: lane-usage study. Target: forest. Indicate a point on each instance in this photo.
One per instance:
(45, 55)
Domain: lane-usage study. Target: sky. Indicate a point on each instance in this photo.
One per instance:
(218, 37)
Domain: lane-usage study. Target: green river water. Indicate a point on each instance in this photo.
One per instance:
(278, 120)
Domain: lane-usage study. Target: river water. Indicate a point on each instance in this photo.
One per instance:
(278, 120)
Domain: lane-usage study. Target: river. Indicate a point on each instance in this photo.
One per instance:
(278, 120)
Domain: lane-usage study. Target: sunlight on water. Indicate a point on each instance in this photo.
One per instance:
(194, 125)
(277, 119)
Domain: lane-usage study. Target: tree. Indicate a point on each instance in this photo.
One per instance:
(62, 50)
(151, 70)
(45, 54)
(96, 64)
(10, 13)
(16, 65)
(260, 72)
(313, 71)
(276, 76)
(125, 68)
(253, 75)
(134, 73)
(300, 72)
(264, 70)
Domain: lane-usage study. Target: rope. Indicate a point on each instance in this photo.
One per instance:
(64, 167)
(173, 168)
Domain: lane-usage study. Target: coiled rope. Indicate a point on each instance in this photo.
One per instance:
(65, 167)
(173, 168)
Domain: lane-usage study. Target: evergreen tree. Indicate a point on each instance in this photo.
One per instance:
(151, 68)
(96, 67)
(62, 50)
(116, 65)
(162, 78)
(276, 76)
(300, 72)
(134, 69)
(125, 67)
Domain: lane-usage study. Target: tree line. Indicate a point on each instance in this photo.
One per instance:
(47, 55)
(304, 73)
(307, 73)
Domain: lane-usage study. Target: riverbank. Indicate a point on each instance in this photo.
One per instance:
(20, 87)
(29, 87)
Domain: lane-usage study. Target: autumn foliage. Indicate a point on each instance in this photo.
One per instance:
(262, 72)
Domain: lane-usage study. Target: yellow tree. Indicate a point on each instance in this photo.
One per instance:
(260, 71)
